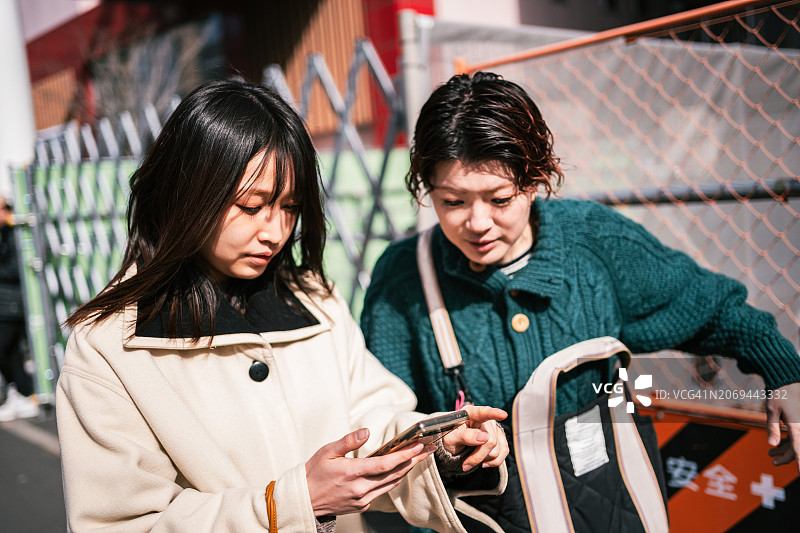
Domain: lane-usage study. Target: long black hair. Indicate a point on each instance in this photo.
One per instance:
(188, 180)
(478, 120)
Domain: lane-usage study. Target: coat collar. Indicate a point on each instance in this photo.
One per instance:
(543, 275)
(268, 320)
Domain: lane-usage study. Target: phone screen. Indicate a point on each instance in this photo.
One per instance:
(426, 431)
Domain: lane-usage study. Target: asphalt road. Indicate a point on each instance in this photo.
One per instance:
(31, 496)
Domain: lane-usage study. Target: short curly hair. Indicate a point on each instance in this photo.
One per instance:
(478, 120)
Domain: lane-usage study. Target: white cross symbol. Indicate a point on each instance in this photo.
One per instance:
(768, 492)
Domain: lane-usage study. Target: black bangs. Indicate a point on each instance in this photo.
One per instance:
(284, 174)
(288, 167)
(295, 159)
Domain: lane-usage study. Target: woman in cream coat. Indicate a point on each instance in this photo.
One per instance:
(220, 383)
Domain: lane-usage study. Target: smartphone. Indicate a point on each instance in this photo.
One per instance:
(425, 431)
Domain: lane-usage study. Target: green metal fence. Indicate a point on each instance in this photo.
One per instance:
(72, 208)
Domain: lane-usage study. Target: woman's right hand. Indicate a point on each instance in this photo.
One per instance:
(341, 485)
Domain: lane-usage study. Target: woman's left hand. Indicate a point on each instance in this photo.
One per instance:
(783, 405)
(484, 433)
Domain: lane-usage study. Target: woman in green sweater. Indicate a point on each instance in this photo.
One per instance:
(523, 276)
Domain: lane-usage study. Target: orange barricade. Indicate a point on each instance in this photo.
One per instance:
(719, 475)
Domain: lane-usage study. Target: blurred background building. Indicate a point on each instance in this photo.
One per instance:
(92, 58)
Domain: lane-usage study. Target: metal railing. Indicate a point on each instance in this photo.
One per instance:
(72, 202)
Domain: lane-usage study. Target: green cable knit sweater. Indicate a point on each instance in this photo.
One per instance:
(593, 273)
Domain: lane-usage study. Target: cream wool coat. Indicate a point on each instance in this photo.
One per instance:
(164, 435)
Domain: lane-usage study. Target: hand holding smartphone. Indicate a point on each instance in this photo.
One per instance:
(426, 431)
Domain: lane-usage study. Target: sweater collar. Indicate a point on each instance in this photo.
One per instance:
(268, 320)
(543, 275)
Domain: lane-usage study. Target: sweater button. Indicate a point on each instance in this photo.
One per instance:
(520, 322)
(258, 371)
(513, 293)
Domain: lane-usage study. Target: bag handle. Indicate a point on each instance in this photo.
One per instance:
(533, 419)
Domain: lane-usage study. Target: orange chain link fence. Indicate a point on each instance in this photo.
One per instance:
(688, 124)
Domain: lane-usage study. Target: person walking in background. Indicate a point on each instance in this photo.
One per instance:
(524, 277)
(20, 398)
(219, 382)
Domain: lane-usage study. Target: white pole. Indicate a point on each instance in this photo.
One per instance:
(17, 126)
(415, 59)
